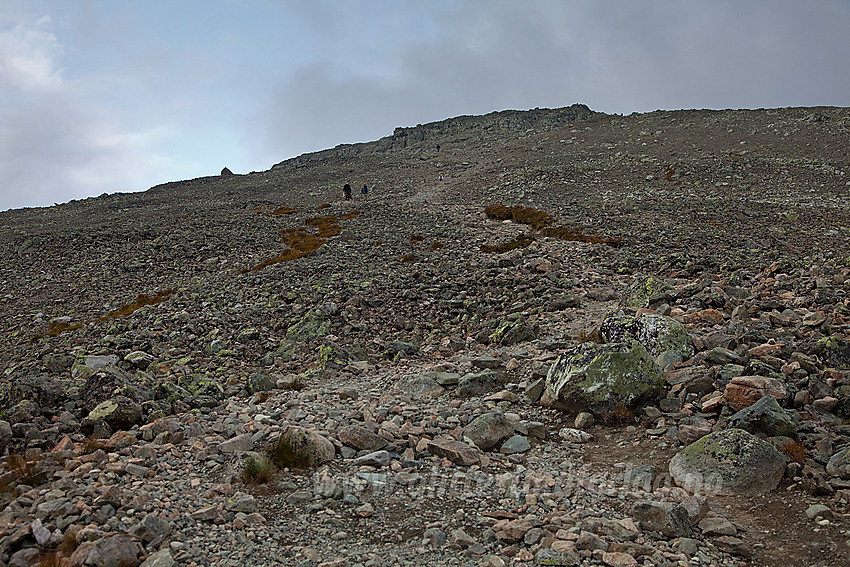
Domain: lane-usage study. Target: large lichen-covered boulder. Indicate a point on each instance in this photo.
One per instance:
(259, 382)
(313, 325)
(85, 366)
(732, 461)
(45, 394)
(656, 333)
(201, 385)
(645, 291)
(834, 351)
(120, 412)
(110, 381)
(597, 377)
(765, 416)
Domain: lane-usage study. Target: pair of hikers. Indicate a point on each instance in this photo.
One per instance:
(346, 191)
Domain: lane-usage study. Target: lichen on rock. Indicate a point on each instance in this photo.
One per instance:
(597, 377)
(728, 462)
(644, 291)
(656, 333)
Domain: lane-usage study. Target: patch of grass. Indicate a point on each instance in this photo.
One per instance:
(619, 415)
(436, 245)
(521, 241)
(416, 237)
(285, 454)
(301, 241)
(796, 451)
(91, 444)
(542, 223)
(64, 550)
(324, 206)
(327, 226)
(407, 258)
(257, 470)
(28, 472)
(351, 215)
(566, 233)
(267, 210)
(593, 337)
(56, 329)
(534, 218)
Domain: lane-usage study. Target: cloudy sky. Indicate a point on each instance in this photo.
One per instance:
(120, 95)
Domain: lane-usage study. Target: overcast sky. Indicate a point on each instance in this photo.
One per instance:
(112, 95)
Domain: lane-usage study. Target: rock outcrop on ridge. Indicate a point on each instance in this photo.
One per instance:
(162, 350)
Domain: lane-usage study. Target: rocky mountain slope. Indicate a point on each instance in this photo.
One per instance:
(156, 343)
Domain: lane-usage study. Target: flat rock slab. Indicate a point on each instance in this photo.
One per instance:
(455, 451)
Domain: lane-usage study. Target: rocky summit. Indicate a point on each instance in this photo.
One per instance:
(552, 337)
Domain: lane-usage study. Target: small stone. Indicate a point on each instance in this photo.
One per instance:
(639, 477)
(686, 545)
(671, 520)
(161, 558)
(516, 444)
(816, 511)
(361, 438)
(455, 451)
(461, 538)
(136, 470)
(488, 429)
(241, 502)
(588, 540)
(618, 559)
(365, 510)
(239, 444)
(733, 545)
(374, 459)
(435, 537)
(206, 513)
(575, 435)
(714, 524)
(118, 549)
(583, 420)
(39, 532)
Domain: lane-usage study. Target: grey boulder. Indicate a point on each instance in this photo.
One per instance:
(728, 462)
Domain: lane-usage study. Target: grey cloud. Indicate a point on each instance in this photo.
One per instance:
(612, 56)
(54, 151)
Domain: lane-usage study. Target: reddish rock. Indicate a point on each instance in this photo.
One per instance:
(704, 317)
(744, 391)
(455, 451)
(512, 531)
(764, 349)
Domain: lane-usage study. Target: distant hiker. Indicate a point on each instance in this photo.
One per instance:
(441, 179)
(346, 191)
(438, 147)
(365, 191)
